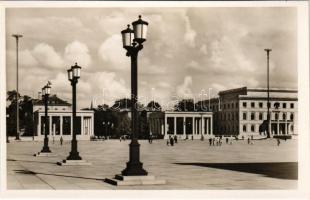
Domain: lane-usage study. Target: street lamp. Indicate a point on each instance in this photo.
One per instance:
(268, 98)
(46, 90)
(132, 42)
(73, 75)
(17, 36)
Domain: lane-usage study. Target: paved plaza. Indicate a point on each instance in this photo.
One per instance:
(187, 165)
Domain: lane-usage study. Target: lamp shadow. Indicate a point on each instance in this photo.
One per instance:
(280, 170)
(29, 172)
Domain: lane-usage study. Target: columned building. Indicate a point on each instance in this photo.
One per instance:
(60, 120)
(242, 112)
(188, 125)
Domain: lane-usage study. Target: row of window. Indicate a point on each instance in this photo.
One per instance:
(232, 129)
(274, 116)
(261, 105)
(54, 109)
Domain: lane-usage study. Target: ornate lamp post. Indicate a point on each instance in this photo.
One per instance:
(268, 99)
(132, 42)
(46, 90)
(73, 76)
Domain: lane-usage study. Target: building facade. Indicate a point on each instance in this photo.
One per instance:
(60, 121)
(242, 111)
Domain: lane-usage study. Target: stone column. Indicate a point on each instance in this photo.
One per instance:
(175, 125)
(39, 125)
(50, 125)
(193, 125)
(203, 126)
(82, 125)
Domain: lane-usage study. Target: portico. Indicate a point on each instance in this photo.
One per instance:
(61, 124)
(188, 125)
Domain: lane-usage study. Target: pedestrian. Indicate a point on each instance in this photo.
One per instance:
(227, 140)
(210, 141)
(202, 138)
(249, 140)
(61, 140)
(278, 141)
(53, 139)
(192, 137)
(213, 141)
(171, 141)
(168, 142)
(230, 141)
(175, 139)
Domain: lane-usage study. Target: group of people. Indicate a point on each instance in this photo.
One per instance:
(172, 140)
(217, 141)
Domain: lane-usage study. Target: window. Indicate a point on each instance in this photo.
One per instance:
(232, 116)
(232, 105)
(260, 104)
(244, 104)
(244, 116)
(284, 116)
(224, 106)
(56, 108)
(244, 128)
(292, 105)
(292, 116)
(260, 116)
(276, 116)
(236, 104)
(284, 105)
(252, 104)
(63, 109)
(252, 116)
(252, 128)
(228, 105)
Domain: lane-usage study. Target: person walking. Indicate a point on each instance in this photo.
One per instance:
(61, 140)
(210, 141)
(278, 141)
(249, 140)
(171, 141)
(227, 140)
(175, 139)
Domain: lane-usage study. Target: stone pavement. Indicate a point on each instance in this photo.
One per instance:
(187, 165)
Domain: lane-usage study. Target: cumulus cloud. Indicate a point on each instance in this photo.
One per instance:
(27, 59)
(77, 52)
(184, 90)
(109, 87)
(46, 55)
(190, 34)
(111, 51)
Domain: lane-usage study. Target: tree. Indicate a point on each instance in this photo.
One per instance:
(125, 104)
(153, 106)
(27, 115)
(185, 105)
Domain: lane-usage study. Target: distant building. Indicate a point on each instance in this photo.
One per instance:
(241, 111)
(60, 120)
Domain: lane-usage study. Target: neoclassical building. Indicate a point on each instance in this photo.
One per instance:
(241, 111)
(60, 120)
(184, 125)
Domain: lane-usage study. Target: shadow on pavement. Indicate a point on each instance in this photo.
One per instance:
(13, 160)
(281, 170)
(61, 175)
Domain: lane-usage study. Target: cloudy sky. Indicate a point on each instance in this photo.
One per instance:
(188, 50)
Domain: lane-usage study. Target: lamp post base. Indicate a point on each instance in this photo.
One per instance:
(46, 149)
(134, 166)
(74, 156)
